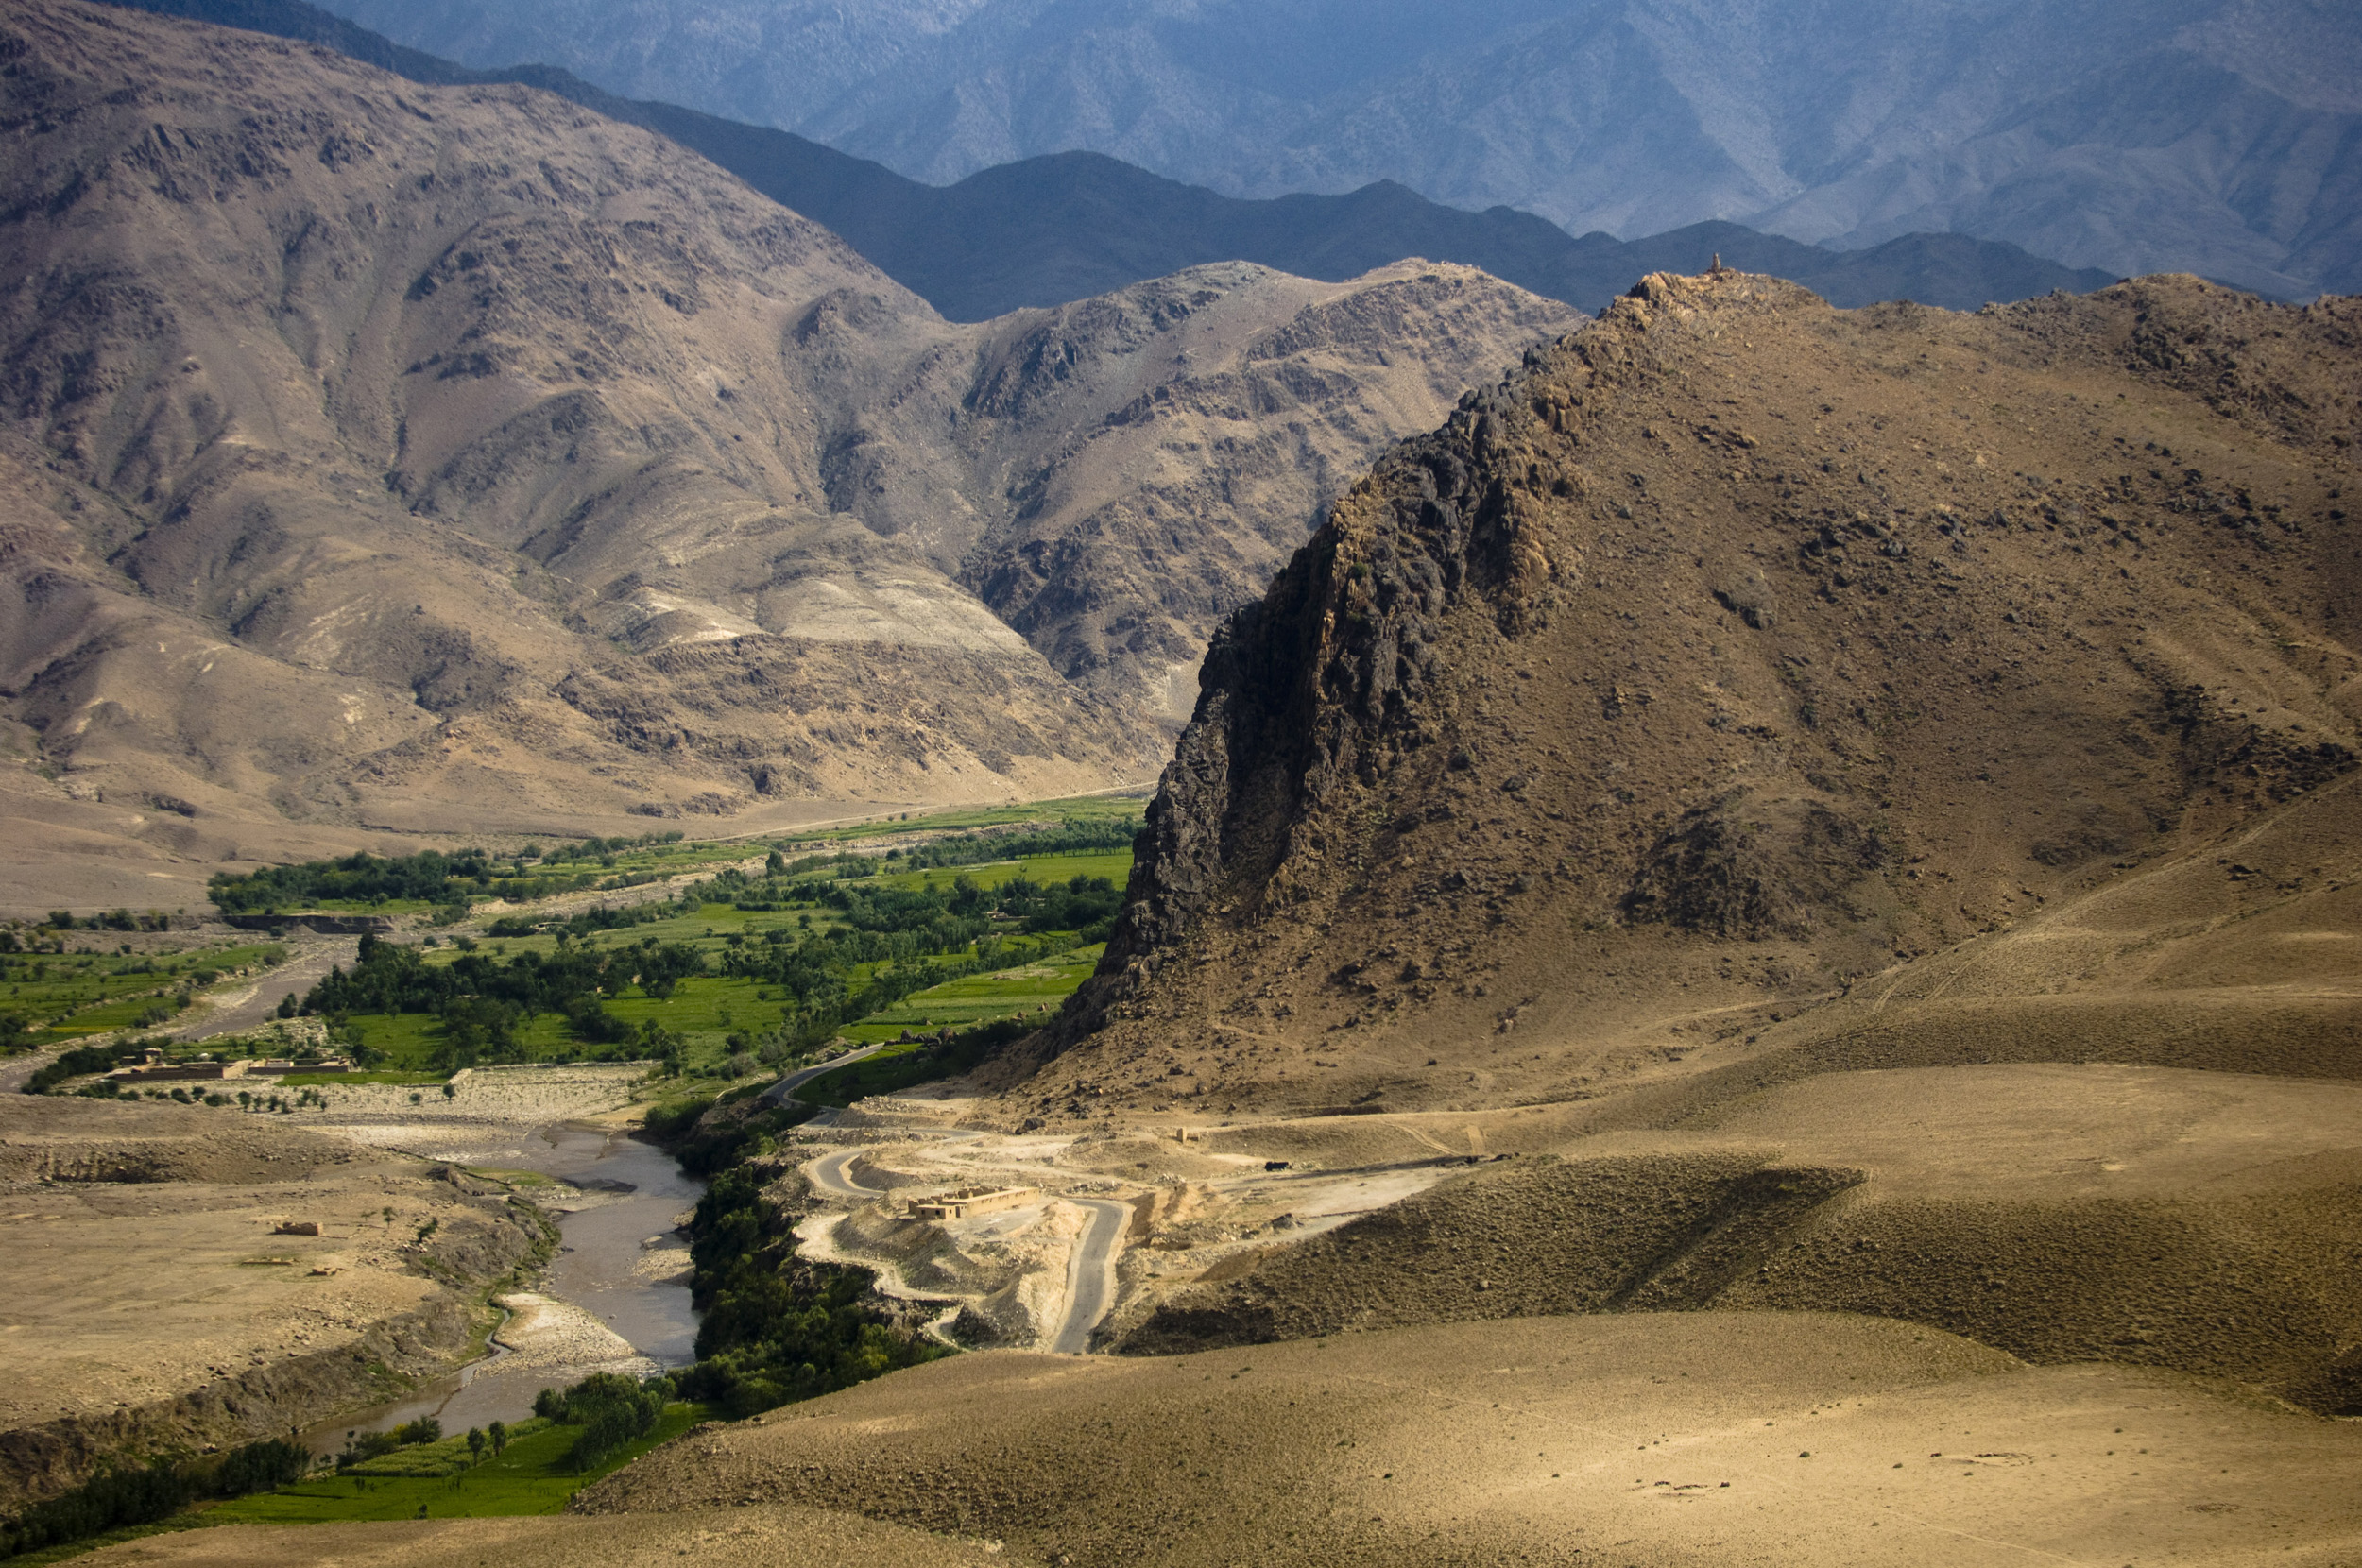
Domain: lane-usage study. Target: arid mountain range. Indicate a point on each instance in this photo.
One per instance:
(1052, 229)
(2208, 136)
(1806, 864)
(380, 453)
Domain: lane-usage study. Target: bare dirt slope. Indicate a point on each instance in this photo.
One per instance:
(744, 1537)
(1641, 1440)
(383, 453)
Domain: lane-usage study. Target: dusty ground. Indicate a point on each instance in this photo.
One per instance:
(1772, 1439)
(750, 1537)
(150, 1301)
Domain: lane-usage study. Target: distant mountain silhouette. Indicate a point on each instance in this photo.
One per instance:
(1049, 230)
(2219, 137)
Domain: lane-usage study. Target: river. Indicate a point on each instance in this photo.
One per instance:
(630, 1194)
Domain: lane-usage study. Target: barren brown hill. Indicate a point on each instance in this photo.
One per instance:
(377, 453)
(1742, 656)
(1866, 798)
(1651, 1441)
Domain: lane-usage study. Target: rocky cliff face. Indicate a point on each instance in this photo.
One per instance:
(1734, 650)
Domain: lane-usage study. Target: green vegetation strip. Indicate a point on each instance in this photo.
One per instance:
(1073, 808)
(533, 1476)
(739, 972)
(48, 996)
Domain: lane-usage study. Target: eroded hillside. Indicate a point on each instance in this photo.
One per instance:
(447, 456)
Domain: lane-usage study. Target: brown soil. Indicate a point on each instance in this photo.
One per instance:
(744, 1537)
(152, 1305)
(1638, 1440)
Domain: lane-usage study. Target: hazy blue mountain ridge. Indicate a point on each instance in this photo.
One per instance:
(2215, 136)
(1049, 230)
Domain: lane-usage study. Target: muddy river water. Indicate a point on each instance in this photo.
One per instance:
(620, 1262)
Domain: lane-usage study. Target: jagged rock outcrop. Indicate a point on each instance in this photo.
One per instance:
(1735, 647)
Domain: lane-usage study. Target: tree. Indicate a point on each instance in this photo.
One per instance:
(498, 1432)
(663, 968)
(475, 1444)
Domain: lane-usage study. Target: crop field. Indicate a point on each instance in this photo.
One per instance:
(531, 1478)
(68, 996)
(1115, 864)
(1075, 808)
(1036, 988)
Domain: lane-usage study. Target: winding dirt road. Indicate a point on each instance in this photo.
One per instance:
(1091, 1277)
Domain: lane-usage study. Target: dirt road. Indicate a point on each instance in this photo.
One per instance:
(250, 1007)
(830, 1175)
(784, 1090)
(1091, 1285)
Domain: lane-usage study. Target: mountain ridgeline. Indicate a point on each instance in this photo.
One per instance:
(1051, 229)
(456, 456)
(2206, 136)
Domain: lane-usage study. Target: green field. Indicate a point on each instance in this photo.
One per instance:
(408, 1038)
(1036, 988)
(531, 1478)
(68, 996)
(1073, 808)
(1114, 865)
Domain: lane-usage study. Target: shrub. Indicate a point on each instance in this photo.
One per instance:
(142, 1495)
(74, 1064)
(611, 1409)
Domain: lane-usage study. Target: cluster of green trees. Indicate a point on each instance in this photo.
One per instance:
(588, 921)
(612, 1410)
(363, 877)
(77, 1062)
(361, 1447)
(776, 1327)
(600, 849)
(141, 1495)
(111, 920)
(935, 920)
(1068, 838)
(431, 875)
(482, 1001)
